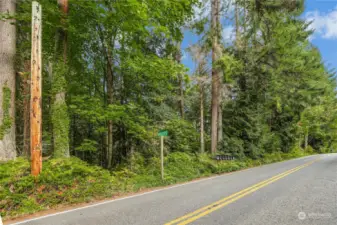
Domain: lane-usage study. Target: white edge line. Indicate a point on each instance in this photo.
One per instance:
(141, 194)
(123, 198)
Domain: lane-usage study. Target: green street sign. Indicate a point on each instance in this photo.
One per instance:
(163, 133)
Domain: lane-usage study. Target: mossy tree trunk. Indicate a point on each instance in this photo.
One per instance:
(60, 121)
(7, 83)
(60, 117)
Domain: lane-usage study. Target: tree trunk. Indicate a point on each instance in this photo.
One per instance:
(7, 83)
(244, 25)
(306, 140)
(110, 91)
(63, 35)
(237, 26)
(26, 109)
(60, 117)
(215, 26)
(220, 128)
(110, 123)
(181, 84)
(132, 155)
(109, 81)
(202, 140)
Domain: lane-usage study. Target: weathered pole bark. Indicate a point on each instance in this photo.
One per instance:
(215, 28)
(7, 82)
(36, 91)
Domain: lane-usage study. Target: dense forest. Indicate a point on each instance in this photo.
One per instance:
(113, 77)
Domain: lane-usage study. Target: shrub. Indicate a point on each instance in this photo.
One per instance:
(70, 180)
(62, 181)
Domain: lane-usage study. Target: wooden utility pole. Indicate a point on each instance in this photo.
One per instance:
(36, 90)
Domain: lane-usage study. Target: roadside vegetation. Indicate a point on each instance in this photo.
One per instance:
(70, 181)
(115, 73)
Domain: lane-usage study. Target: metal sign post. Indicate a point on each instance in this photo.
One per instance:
(162, 156)
(162, 134)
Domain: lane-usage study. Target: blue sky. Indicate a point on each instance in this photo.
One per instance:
(324, 16)
(323, 13)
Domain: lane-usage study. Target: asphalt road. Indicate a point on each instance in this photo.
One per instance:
(300, 191)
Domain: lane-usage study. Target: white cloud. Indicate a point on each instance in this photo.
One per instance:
(203, 11)
(228, 34)
(184, 55)
(227, 7)
(324, 24)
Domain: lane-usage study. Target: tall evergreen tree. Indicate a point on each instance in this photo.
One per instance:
(7, 81)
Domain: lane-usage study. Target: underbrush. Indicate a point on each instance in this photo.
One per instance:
(69, 181)
(61, 181)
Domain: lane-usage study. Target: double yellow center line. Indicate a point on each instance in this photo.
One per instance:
(188, 218)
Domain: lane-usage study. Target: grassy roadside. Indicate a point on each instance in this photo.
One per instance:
(70, 181)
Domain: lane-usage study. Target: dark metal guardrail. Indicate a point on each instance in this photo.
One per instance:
(223, 157)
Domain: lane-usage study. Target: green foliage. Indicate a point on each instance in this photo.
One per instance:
(230, 65)
(60, 121)
(59, 111)
(6, 118)
(283, 91)
(62, 181)
(59, 83)
(182, 136)
(67, 181)
(276, 92)
(87, 145)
